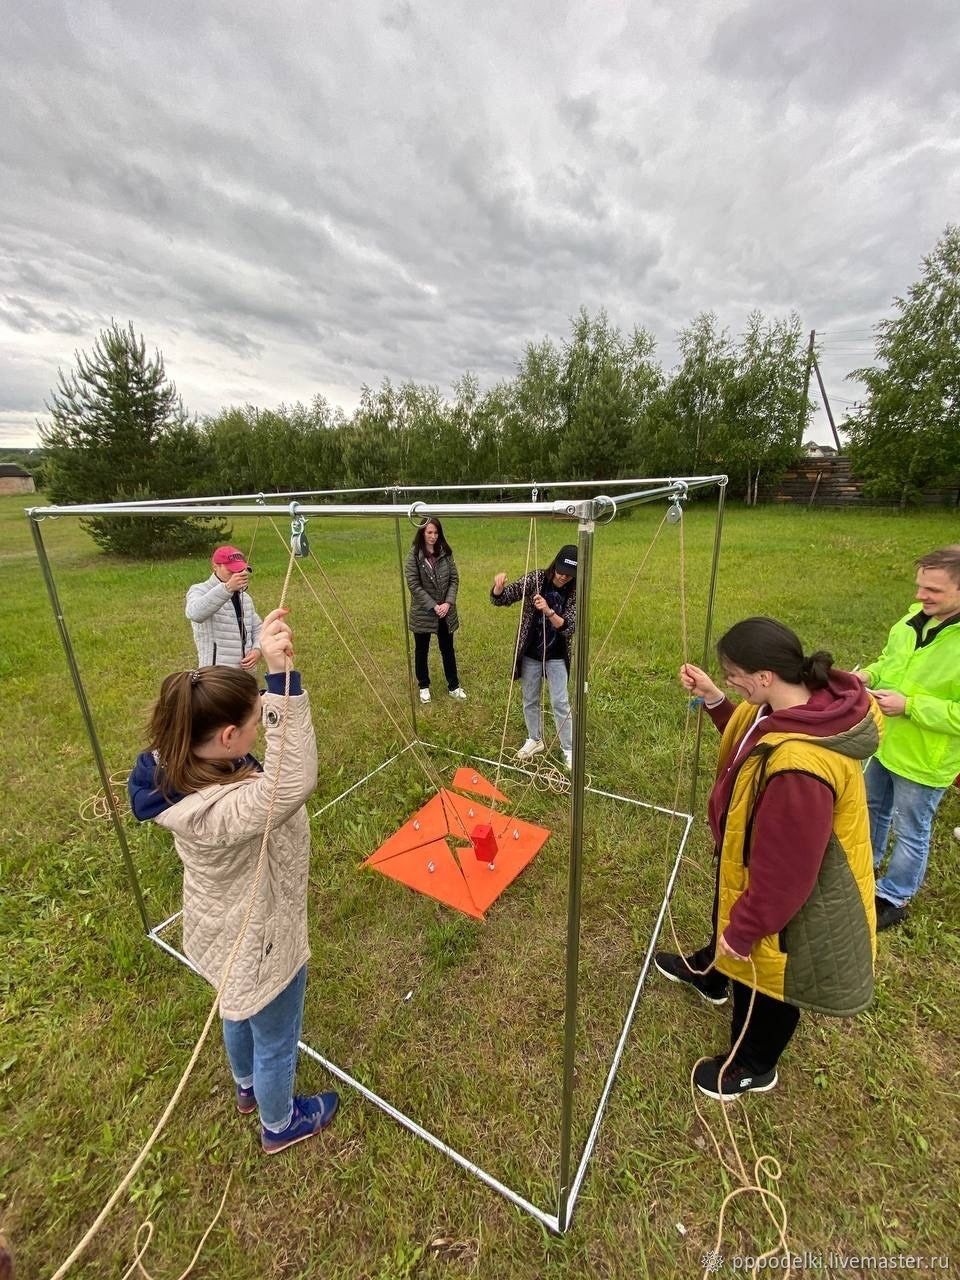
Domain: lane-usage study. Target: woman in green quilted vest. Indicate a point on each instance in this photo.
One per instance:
(794, 917)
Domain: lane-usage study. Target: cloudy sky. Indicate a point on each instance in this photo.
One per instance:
(289, 198)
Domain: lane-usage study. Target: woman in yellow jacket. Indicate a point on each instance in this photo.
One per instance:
(794, 916)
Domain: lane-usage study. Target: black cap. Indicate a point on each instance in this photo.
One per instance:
(566, 561)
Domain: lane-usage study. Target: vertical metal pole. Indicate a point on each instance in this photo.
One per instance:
(87, 717)
(406, 630)
(826, 405)
(806, 388)
(707, 636)
(575, 874)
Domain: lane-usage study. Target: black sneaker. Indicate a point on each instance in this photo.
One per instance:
(736, 1079)
(889, 915)
(711, 987)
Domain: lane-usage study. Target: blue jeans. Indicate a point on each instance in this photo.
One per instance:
(909, 807)
(531, 673)
(262, 1051)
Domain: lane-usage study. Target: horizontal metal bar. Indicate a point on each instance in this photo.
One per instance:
(568, 509)
(466, 755)
(164, 924)
(675, 488)
(594, 791)
(262, 497)
(337, 799)
(627, 1025)
(548, 1220)
(172, 951)
(644, 804)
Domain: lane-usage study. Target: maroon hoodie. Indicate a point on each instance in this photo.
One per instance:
(793, 818)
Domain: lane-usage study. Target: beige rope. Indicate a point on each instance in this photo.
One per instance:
(769, 1199)
(253, 540)
(97, 807)
(175, 1097)
(750, 1184)
(626, 599)
(408, 741)
(516, 652)
(147, 1226)
(594, 673)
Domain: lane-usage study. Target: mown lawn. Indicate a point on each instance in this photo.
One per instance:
(97, 1023)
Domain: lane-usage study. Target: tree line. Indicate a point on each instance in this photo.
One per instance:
(597, 405)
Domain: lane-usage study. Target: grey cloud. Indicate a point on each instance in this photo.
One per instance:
(398, 17)
(27, 317)
(303, 198)
(831, 54)
(580, 111)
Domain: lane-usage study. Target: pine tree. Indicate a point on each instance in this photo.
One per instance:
(119, 433)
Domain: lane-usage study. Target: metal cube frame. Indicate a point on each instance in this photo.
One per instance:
(588, 509)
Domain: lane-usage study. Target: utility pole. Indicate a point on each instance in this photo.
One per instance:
(826, 405)
(806, 389)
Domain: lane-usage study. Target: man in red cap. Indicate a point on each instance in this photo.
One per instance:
(226, 627)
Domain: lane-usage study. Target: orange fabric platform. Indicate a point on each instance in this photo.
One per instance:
(432, 854)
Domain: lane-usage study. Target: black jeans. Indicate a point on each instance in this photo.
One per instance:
(771, 1027)
(421, 649)
(772, 1022)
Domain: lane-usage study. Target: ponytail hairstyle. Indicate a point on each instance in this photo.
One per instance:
(192, 706)
(763, 644)
(420, 543)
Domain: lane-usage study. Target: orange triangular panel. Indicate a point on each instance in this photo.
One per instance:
(432, 869)
(513, 854)
(463, 815)
(474, 782)
(430, 822)
(421, 856)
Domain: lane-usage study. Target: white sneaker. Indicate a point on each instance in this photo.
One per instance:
(568, 760)
(956, 833)
(459, 693)
(424, 695)
(532, 747)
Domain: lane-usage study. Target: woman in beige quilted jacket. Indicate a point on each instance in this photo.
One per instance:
(200, 781)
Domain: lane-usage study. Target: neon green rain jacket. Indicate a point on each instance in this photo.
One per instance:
(924, 743)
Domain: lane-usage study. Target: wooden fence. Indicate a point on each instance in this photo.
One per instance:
(828, 482)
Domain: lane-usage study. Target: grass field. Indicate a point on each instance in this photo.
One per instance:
(97, 1023)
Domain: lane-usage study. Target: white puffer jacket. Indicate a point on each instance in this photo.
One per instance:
(218, 832)
(215, 629)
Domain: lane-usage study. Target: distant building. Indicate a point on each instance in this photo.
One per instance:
(813, 450)
(14, 479)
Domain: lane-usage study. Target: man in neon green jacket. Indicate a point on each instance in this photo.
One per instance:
(916, 682)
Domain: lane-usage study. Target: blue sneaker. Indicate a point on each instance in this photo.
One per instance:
(310, 1116)
(246, 1102)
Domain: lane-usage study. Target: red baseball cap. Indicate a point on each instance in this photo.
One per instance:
(232, 557)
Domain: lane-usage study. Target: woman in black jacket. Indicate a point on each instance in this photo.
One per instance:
(431, 574)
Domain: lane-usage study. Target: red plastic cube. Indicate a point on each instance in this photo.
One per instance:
(484, 842)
